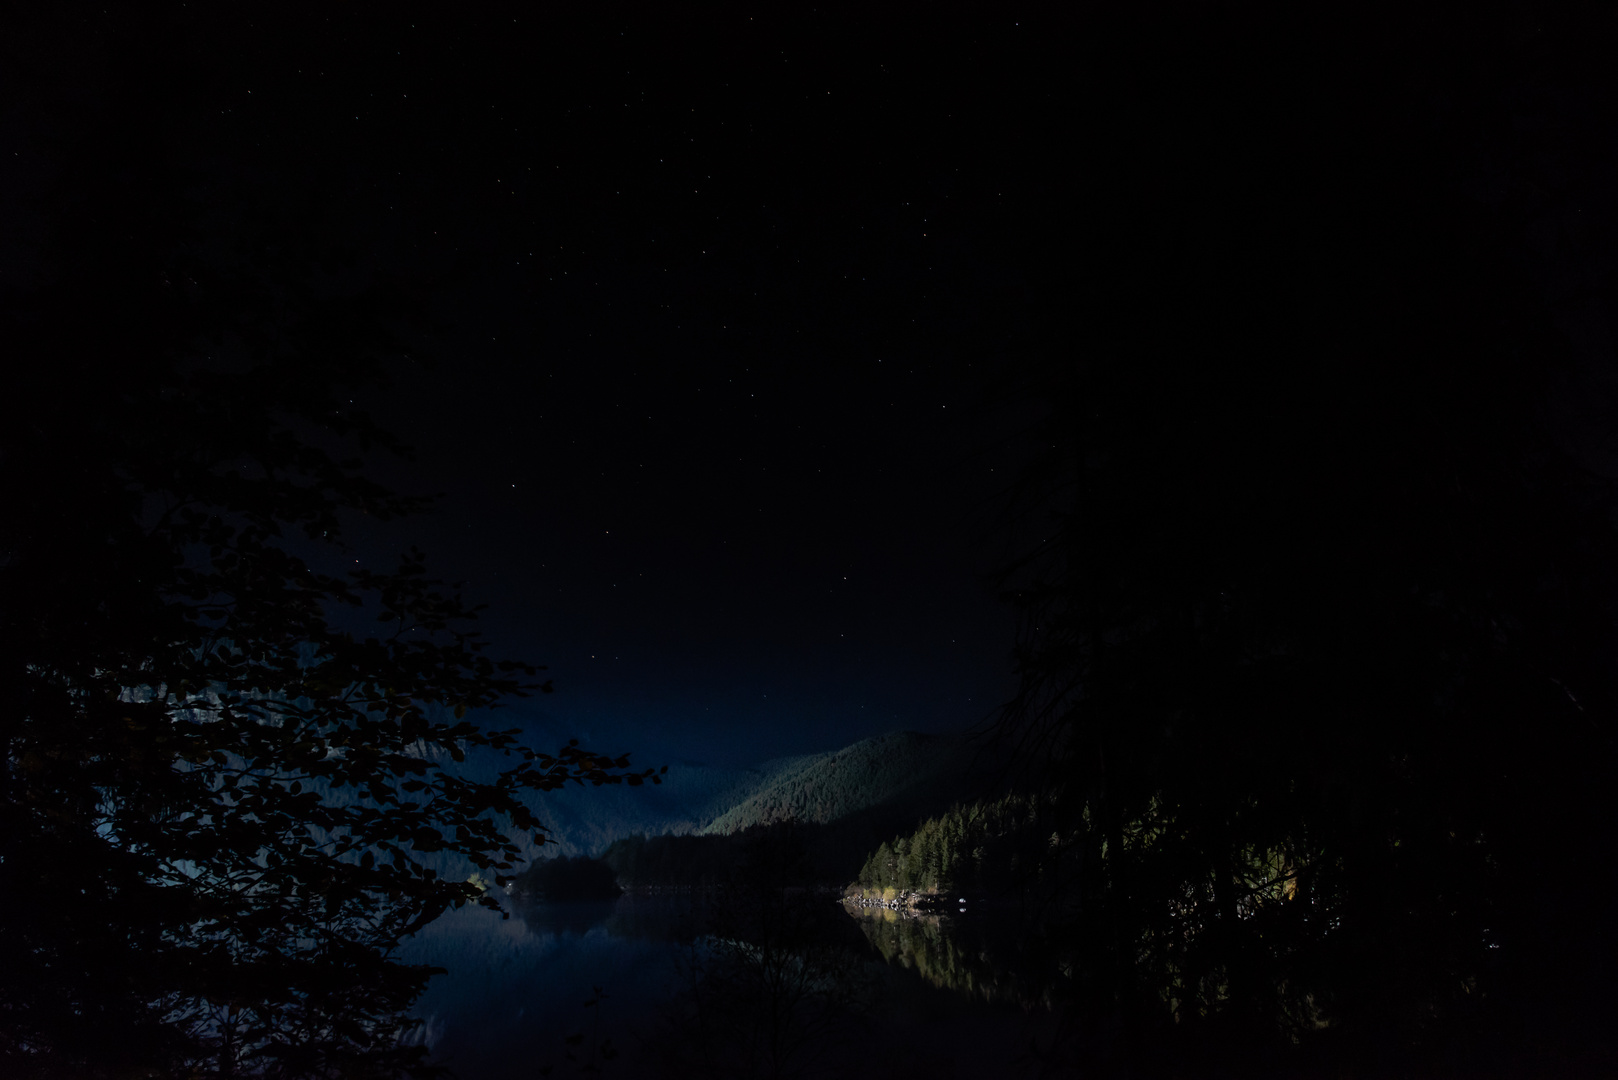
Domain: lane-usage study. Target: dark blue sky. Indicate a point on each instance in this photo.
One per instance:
(723, 313)
(709, 572)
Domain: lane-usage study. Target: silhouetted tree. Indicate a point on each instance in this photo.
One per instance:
(1316, 606)
(221, 797)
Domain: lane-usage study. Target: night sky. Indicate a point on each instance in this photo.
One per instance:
(712, 363)
(719, 560)
(720, 320)
(713, 399)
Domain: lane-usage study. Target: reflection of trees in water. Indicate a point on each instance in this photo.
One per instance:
(771, 982)
(777, 982)
(986, 959)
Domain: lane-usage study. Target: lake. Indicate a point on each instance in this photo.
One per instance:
(880, 992)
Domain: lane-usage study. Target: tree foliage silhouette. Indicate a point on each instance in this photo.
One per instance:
(1316, 602)
(222, 795)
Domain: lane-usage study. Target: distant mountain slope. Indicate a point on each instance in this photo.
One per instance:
(850, 800)
(887, 770)
(584, 820)
(846, 803)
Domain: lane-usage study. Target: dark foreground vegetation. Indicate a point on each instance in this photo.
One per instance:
(1317, 579)
(234, 759)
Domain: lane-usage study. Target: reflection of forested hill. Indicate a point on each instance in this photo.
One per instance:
(987, 958)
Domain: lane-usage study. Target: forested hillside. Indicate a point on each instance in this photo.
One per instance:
(820, 788)
(903, 770)
(1003, 846)
(566, 880)
(846, 802)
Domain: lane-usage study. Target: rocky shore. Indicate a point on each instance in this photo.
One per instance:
(911, 903)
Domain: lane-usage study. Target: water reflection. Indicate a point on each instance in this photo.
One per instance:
(985, 956)
(949, 995)
(516, 987)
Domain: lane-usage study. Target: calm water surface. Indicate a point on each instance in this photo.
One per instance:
(517, 988)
